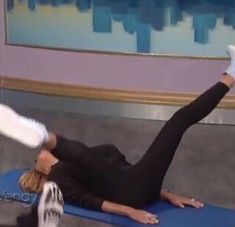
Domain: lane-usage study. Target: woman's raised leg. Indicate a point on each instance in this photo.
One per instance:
(156, 161)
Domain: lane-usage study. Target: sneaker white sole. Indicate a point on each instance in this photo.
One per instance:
(51, 205)
(11, 126)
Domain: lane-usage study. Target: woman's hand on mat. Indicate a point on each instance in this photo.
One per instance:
(143, 216)
(181, 201)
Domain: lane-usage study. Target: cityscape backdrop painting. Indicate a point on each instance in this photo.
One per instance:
(169, 27)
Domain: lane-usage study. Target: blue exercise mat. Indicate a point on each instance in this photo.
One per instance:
(170, 216)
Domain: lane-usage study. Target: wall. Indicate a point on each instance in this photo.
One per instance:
(107, 71)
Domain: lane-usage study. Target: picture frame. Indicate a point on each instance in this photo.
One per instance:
(172, 28)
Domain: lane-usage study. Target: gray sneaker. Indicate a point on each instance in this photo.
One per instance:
(51, 206)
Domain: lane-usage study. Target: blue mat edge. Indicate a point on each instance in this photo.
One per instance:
(95, 215)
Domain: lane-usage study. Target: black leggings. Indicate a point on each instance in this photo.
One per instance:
(139, 184)
(152, 168)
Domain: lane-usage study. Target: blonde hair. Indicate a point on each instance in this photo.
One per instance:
(32, 181)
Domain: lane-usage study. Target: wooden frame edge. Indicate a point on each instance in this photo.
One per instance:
(75, 91)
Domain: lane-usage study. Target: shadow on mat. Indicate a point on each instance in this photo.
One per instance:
(25, 220)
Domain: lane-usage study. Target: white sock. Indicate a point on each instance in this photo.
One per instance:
(21, 129)
(41, 128)
(231, 68)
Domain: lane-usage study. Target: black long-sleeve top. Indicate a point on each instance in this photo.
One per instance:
(87, 176)
(73, 191)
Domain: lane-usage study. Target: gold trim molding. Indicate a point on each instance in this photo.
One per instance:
(75, 91)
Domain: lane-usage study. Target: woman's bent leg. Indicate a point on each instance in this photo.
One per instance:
(68, 150)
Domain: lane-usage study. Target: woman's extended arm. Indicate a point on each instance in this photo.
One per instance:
(180, 201)
(141, 216)
(77, 194)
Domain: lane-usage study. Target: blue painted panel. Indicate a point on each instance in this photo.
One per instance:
(174, 27)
